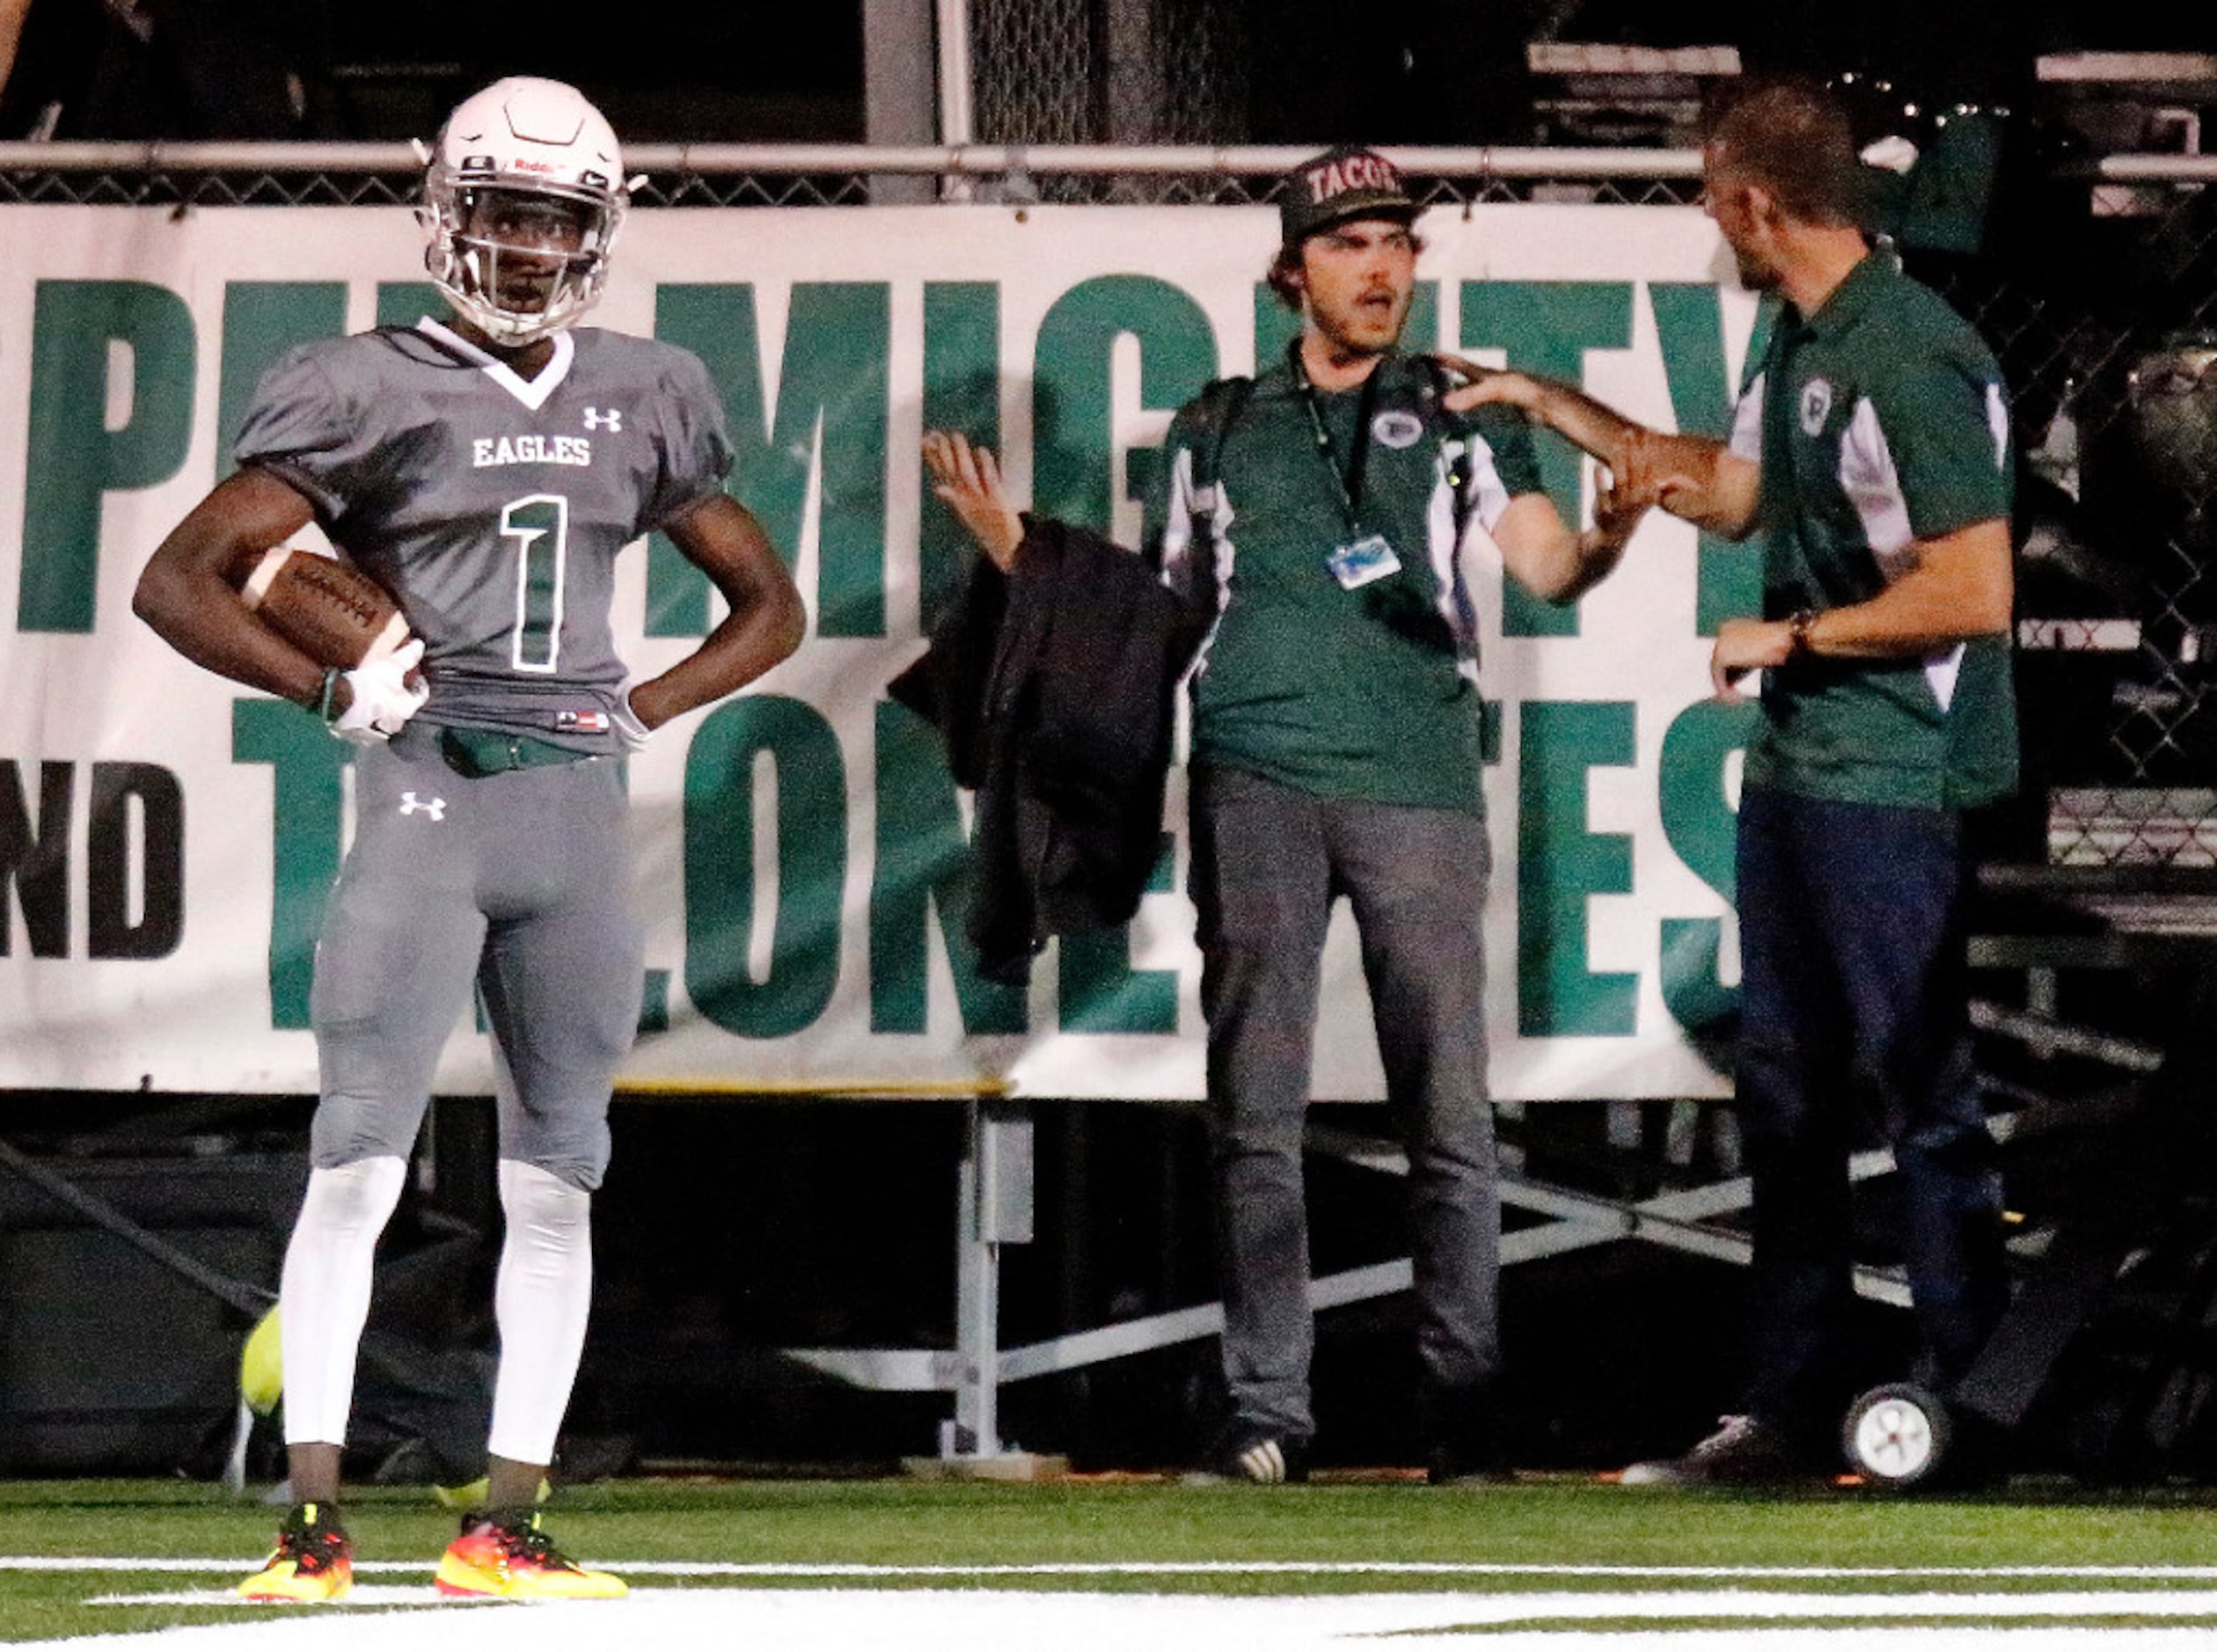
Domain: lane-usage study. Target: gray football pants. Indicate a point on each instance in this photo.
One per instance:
(1268, 862)
(519, 881)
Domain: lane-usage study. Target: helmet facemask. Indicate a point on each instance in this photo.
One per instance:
(523, 199)
(520, 261)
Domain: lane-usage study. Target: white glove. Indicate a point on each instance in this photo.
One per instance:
(625, 721)
(386, 694)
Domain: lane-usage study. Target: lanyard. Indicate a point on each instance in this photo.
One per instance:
(1349, 479)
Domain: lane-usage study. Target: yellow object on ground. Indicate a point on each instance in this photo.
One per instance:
(261, 1366)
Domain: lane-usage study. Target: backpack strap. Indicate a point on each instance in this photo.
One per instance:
(1438, 383)
(1214, 410)
(1221, 402)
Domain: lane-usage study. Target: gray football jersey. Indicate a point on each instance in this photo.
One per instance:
(493, 507)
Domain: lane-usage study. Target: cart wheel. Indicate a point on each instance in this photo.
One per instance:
(1896, 1435)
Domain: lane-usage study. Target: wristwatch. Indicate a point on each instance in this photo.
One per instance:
(1797, 624)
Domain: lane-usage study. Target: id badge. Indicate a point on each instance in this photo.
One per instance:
(1356, 564)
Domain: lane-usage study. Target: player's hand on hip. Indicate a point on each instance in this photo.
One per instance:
(629, 727)
(382, 696)
(969, 481)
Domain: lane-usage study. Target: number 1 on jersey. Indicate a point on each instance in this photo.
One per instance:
(539, 524)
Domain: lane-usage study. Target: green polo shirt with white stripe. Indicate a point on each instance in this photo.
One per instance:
(1878, 421)
(1368, 694)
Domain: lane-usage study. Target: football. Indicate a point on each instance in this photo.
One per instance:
(329, 610)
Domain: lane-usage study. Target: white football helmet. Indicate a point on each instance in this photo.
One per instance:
(522, 198)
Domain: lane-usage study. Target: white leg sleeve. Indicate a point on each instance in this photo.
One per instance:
(545, 1287)
(324, 1296)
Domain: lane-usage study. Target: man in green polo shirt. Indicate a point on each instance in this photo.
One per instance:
(1325, 519)
(1871, 451)
(1328, 518)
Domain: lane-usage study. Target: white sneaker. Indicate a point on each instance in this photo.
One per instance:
(1743, 1451)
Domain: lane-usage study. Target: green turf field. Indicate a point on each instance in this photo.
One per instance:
(1567, 1536)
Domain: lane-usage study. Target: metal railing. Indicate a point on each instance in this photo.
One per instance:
(818, 174)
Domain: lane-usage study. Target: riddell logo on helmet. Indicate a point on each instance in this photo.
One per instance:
(1352, 173)
(525, 164)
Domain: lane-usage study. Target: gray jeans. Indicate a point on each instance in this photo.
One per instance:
(1268, 861)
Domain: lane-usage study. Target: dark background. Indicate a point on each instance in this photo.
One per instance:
(1313, 70)
(731, 1229)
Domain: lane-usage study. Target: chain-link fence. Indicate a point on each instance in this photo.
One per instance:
(1029, 57)
(379, 182)
(2100, 300)
(734, 175)
(1109, 72)
(2096, 300)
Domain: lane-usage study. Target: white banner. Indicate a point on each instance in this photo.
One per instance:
(165, 837)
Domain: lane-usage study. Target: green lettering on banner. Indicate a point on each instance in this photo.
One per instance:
(1698, 823)
(1546, 327)
(1689, 323)
(654, 1003)
(1073, 435)
(72, 458)
(1560, 865)
(719, 858)
(306, 831)
(1275, 327)
(404, 303)
(262, 321)
(1100, 990)
(34, 857)
(717, 323)
(833, 387)
(962, 392)
(123, 792)
(1145, 486)
(923, 864)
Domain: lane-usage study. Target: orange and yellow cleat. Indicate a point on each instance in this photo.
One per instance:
(313, 1560)
(510, 1558)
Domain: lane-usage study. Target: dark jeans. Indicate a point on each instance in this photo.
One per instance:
(1268, 861)
(1853, 994)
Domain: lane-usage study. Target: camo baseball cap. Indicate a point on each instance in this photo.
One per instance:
(1348, 182)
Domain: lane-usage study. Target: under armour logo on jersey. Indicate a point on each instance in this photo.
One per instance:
(411, 804)
(612, 419)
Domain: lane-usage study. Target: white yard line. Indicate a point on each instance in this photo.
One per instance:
(404, 1614)
(360, 1595)
(1756, 1603)
(961, 1620)
(1184, 1569)
(1491, 1608)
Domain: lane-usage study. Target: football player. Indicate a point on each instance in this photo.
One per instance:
(486, 469)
